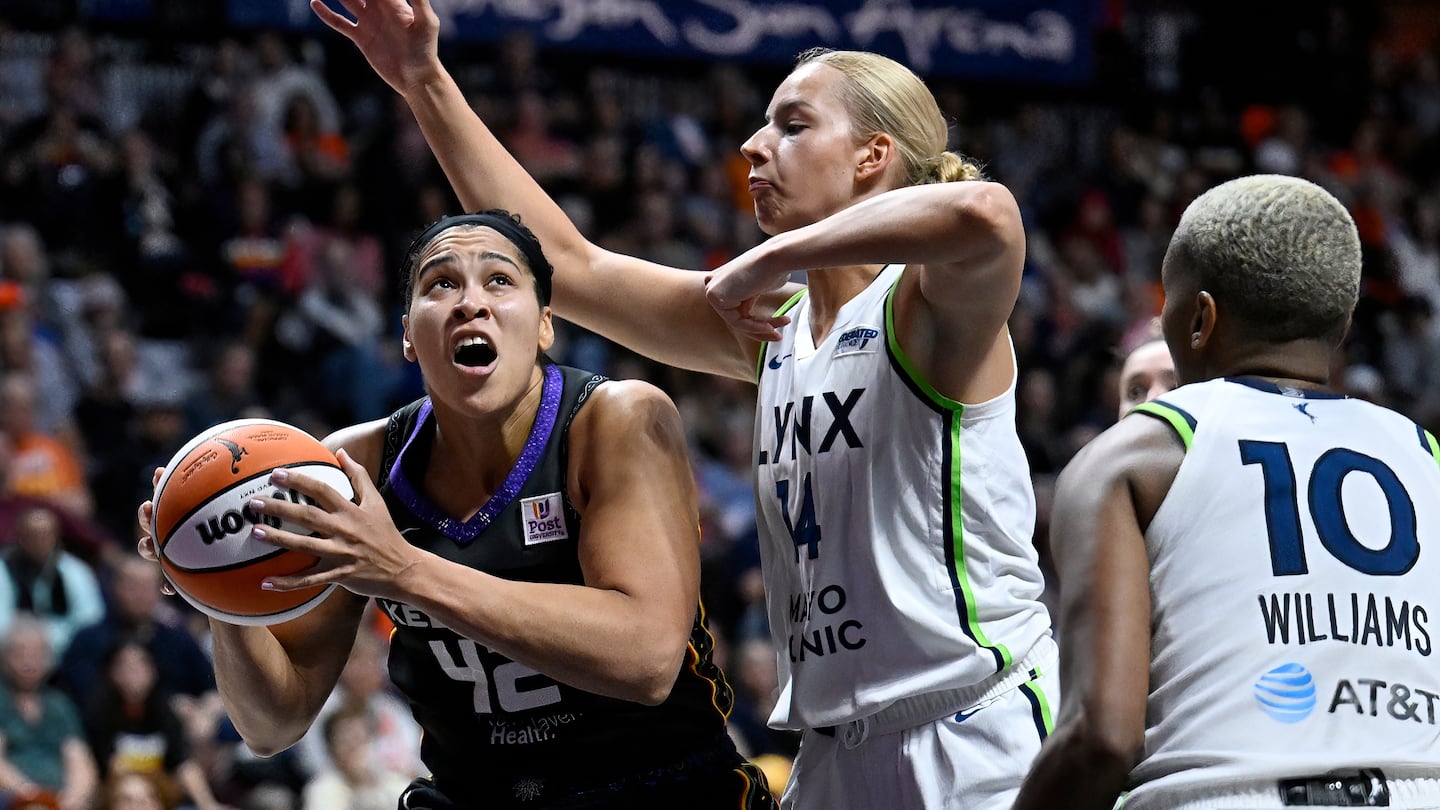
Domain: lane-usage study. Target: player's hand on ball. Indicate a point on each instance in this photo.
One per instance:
(145, 546)
(357, 542)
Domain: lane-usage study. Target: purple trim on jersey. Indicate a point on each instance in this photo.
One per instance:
(465, 531)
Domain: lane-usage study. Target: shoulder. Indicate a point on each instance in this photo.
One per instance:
(627, 427)
(616, 407)
(1139, 453)
(364, 442)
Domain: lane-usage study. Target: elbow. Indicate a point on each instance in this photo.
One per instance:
(653, 683)
(1109, 750)
(654, 694)
(990, 209)
(267, 742)
(265, 748)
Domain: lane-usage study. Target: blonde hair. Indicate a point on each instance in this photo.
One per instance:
(883, 95)
(1282, 251)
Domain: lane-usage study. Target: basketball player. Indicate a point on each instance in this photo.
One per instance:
(1147, 372)
(534, 538)
(1248, 564)
(895, 506)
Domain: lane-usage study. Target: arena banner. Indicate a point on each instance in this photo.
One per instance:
(1047, 41)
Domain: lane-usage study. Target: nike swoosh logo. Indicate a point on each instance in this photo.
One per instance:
(776, 361)
(963, 716)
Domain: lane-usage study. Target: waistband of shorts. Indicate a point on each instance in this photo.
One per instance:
(556, 782)
(917, 710)
(1397, 788)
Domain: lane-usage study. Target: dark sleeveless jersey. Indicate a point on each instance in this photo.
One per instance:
(494, 729)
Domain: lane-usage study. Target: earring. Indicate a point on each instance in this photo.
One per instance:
(1195, 341)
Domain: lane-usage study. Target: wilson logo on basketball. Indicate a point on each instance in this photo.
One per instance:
(234, 521)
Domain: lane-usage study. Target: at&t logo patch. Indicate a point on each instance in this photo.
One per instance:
(1286, 693)
(543, 519)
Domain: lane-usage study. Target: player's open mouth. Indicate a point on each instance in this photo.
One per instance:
(474, 352)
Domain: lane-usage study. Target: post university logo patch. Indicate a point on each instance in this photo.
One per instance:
(543, 519)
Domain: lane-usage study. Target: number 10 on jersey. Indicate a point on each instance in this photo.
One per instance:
(1327, 510)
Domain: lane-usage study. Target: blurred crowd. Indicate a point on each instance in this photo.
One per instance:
(199, 231)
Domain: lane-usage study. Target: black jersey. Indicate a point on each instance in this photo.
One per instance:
(494, 729)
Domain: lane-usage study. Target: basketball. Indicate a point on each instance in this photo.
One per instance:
(202, 519)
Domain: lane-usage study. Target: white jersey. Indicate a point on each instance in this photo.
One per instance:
(895, 524)
(1293, 579)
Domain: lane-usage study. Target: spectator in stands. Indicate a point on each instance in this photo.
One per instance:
(127, 790)
(135, 611)
(364, 688)
(43, 466)
(81, 536)
(352, 780)
(39, 577)
(43, 755)
(132, 727)
(229, 391)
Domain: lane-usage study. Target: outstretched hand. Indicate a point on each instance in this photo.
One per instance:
(733, 290)
(399, 39)
(356, 541)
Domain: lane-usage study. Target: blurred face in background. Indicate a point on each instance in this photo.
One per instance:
(27, 657)
(1148, 372)
(132, 791)
(133, 672)
(37, 534)
(137, 589)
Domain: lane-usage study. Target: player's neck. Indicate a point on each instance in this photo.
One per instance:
(1298, 364)
(1283, 379)
(831, 288)
(480, 452)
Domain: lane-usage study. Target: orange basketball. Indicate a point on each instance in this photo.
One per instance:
(202, 519)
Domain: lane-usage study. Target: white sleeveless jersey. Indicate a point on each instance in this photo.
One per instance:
(895, 524)
(1294, 571)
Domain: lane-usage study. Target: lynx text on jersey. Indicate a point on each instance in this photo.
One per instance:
(798, 421)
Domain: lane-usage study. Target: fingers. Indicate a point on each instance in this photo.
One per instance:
(322, 493)
(292, 540)
(296, 582)
(146, 548)
(766, 329)
(336, 21)
(145, 517)
(360, 482)
(155, 477)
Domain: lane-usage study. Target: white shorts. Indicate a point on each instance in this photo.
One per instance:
(1407, 792)
(973, 760)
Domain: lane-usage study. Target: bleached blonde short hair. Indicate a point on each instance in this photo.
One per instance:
(1280, 252)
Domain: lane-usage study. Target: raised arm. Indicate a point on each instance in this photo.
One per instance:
(1104, 500)
(965, 244)
(657, 311)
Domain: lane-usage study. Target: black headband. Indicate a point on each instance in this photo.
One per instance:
(501, 222)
